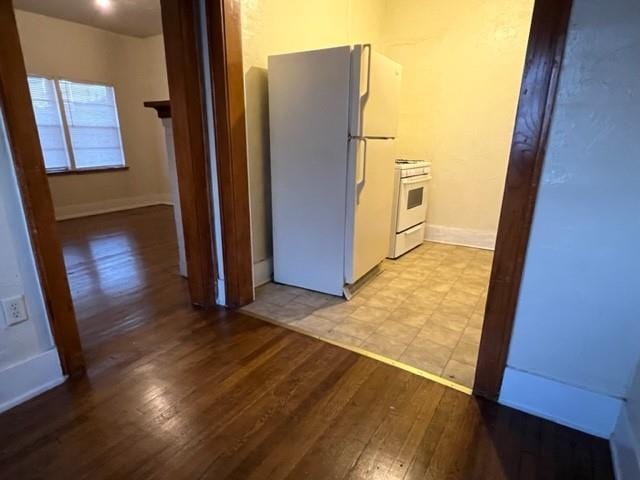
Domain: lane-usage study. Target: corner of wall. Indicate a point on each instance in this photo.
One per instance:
(625, 448)
(29, 378)
(577, 408)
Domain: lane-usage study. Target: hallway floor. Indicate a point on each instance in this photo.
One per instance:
(424, 310)
(177, 393)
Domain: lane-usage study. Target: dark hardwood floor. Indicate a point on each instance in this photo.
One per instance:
(176, 393)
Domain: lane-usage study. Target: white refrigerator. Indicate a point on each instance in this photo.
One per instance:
(333, 118)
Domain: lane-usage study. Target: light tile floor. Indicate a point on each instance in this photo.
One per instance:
(424, 309)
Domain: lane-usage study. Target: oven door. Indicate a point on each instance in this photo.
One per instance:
(412, 204)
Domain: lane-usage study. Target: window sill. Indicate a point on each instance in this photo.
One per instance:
(81, 171)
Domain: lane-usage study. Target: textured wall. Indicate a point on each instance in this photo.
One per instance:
(462, 66)
(578, 314)
(136, 68)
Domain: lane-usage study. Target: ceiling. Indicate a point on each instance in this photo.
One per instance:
(137, 18)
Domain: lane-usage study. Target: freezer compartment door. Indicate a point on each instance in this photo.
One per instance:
(375, 93)
(370, 204)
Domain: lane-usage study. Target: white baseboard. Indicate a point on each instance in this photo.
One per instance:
(461, 236)
(262, 272)
(112, 205)
(625, 448)
(574, 407)
(29, 378)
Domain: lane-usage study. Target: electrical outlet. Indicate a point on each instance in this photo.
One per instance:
(15, 310)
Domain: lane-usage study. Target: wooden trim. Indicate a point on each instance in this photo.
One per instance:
(225, 55)
(83, 171)
(34, 189)
(162, 107)
(537, 97)
(180, 20)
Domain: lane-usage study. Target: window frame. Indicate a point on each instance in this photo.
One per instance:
(72, 168)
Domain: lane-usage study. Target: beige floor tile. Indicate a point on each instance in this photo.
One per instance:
(384, 345)
(315, 299)
(435, 333)
(314, 324)
(281, 297)
(456, 308)
(425, 309)
(440, 286)
(372, 315)
(396, 292)
(343, 338)
(471, 335)
(260, 307)
(476, 320)
(292, 312)
(466, 352)
(381, 282)
(424, 294)
(448, 320)
(397, 331)
(337, 312)
(463, 297)
(405, 283)
(355, 328)
(410, 317)
(383, 302)
(474, 288)
(420, 307)
(430, 357)
(460, 373)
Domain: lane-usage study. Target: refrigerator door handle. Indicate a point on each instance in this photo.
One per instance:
(360, 183)
(367, 46)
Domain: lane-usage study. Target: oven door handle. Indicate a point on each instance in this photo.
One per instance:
(414, 180)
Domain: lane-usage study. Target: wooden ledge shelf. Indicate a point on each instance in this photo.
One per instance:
(82, 171)
(162, 107)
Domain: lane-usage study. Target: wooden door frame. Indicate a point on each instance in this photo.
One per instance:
(181, 32)
(227, 78)
(184, 67)
(28, 162)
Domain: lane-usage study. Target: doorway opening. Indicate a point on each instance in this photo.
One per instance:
(109, 161)
(452, 117)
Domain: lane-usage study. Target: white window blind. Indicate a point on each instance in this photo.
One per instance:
(93, 124)
(49, 122)
(86, 134)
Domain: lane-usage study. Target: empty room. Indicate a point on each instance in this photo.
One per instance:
(350, 239)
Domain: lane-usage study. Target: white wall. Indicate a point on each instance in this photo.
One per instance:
(577, 320)
(28, 359)
(462, 67)
(136, 68)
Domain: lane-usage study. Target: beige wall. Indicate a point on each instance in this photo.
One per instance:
(462, 66)
(278, 26)
(135, 67)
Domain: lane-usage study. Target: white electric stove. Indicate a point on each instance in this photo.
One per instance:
(412, 179)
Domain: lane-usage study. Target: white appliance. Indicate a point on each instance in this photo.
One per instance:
(333, 119)
(410, 205)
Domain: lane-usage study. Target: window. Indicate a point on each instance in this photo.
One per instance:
(77, 124)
